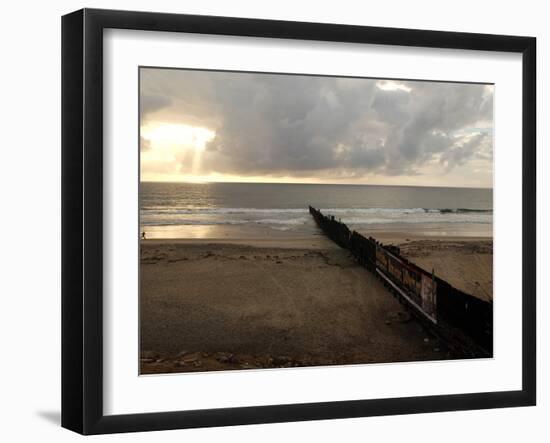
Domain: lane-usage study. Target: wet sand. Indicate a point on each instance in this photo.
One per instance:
(231, 304)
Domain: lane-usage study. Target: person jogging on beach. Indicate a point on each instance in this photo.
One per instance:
(143, 235)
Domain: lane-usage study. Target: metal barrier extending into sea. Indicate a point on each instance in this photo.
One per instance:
(461, 320)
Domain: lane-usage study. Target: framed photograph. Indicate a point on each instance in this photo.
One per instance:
(269, 221)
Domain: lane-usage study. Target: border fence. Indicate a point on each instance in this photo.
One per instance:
(463, 321)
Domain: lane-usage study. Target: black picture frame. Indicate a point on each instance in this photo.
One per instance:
(82, 218)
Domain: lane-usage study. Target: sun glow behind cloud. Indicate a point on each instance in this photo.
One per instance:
(389, 85)
(165, 145)
(170, 135)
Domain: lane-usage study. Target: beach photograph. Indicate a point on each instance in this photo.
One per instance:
(292, 221)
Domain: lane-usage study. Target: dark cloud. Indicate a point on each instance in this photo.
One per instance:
(474, 146)
(293, 125)
(149, 103)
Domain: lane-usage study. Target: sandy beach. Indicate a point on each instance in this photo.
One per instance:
(465, 264)
(216, 304)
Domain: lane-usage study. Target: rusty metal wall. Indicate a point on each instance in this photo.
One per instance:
(461, 319)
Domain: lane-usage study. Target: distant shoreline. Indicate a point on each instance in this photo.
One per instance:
(391, 232)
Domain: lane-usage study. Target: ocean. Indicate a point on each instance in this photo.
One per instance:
(189, 210)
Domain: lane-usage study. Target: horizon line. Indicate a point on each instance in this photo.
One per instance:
(311, 183)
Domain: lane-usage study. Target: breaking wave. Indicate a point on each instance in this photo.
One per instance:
(289, 218)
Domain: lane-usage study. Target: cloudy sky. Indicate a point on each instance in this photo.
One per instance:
(222, 126)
